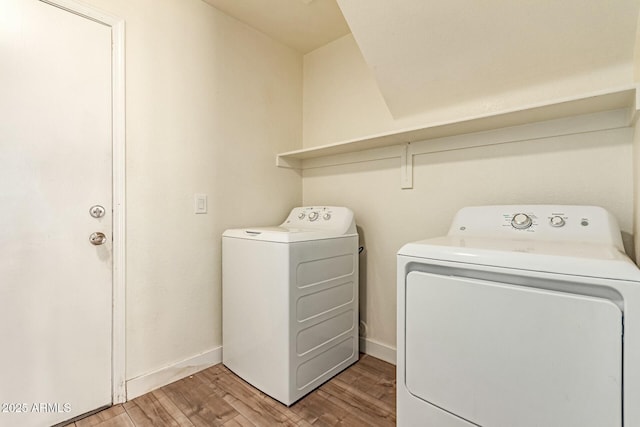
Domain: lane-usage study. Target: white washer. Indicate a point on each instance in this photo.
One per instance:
(290, 301)
(520, 316)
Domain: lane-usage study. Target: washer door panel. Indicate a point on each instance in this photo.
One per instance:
(504, 355)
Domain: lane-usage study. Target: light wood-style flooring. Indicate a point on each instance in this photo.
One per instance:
(362, 395)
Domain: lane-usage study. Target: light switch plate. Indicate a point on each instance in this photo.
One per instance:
(200, 203)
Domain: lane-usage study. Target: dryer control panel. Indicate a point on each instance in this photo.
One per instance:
(589, 224)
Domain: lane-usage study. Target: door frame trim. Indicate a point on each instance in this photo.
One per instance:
(118, 134)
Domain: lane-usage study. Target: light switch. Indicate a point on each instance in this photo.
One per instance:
(200, 205)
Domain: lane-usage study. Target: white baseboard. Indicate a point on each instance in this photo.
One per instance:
(378, 350)
(148, 382)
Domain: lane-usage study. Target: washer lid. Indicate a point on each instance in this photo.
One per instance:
(282, 234)
(571, 258)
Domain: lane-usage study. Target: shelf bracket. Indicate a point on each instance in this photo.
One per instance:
(634, 110)
(406, 167)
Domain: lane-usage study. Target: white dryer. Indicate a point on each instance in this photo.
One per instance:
(521, 316)
(290, 301)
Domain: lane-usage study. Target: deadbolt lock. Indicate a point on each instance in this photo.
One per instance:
(97, 211)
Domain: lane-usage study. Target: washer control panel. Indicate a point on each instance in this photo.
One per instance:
(321, 218)
(312, 214)
(540, 222)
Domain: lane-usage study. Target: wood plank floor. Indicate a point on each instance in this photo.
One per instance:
(362, 395)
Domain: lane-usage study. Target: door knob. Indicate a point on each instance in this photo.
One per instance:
(97, 238)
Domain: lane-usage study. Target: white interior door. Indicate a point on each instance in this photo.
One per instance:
(503, 355)
(55, 163)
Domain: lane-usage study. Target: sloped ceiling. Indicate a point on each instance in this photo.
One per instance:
(304, 25)
(427, 53)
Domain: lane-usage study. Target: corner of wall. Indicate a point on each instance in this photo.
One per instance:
(636, 191)
(636, 54)
(636, 150)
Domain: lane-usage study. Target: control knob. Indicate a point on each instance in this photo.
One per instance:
(326, 216)
(557, 221)
(301, 215)
(521, 221)
(313, 216)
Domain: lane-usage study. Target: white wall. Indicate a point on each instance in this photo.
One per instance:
(341, 102)
(209, 103)
(491, 55)
(341, 98)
